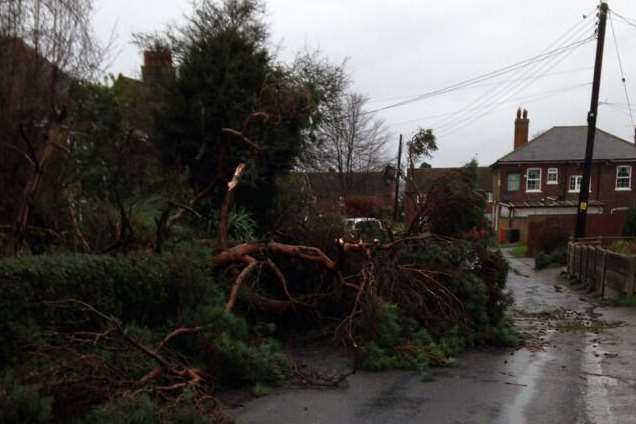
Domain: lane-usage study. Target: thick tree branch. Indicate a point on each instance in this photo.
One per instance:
(228, 202)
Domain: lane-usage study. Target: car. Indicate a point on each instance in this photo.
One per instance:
(365, 229)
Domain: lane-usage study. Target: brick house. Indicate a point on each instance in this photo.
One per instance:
(542, 177)
(368, 194)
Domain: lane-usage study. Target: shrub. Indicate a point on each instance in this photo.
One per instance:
(519, 251)
(454, 207)
(240, 364)
(399, 343)
(131, 410)
(146, 289)
(552, 239)
(629, 229)
(554, 259)
(623, 247)
(20, 403)
(151, 295)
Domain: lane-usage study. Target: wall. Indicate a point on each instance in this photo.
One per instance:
(603, 184)
(539, 227)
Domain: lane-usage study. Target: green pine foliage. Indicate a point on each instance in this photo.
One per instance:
(151, 295)
(23, 403)
(406, 339)
(400, 343)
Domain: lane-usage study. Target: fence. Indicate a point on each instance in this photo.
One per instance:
(541, 227)
(603, 271)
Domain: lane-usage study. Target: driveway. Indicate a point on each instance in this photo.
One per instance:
(578, 366)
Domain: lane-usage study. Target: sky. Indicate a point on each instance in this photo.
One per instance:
(399, 49)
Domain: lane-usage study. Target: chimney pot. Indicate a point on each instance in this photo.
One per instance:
(522, 124)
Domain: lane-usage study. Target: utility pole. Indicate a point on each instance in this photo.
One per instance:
(584, 194)
(398, 172)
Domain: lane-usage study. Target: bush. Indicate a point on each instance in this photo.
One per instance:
(20, 403)
(454, 206)
(556, 258)
(145, 289)
(151, 295)
(552, 239)
(399, 343)
(629, 229)
(623, 247)
(240, 364)
(134, 410)
(519, 251)
(142, 409)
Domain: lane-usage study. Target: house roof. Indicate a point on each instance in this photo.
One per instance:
(426, 177)
(560, 144)
(331, 184)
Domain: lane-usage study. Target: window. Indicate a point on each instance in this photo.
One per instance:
(513, 182)
(624, 177)
(553, 176)
(575, 183)
(533, 180)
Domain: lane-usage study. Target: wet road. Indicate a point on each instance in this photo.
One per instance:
(578, 366)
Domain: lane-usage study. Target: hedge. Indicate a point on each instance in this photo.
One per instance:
(150, 290)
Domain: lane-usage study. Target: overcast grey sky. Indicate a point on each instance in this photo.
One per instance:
(398, 49)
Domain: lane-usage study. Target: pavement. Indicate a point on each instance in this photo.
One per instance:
(576, 367)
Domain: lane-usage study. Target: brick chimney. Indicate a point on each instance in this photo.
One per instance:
(522, 124)
(157, 68)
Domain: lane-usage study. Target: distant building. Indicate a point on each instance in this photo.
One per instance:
(542, 177)
(355, 194)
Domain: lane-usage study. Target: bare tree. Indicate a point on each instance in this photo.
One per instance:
(46, 44)
(350, 140)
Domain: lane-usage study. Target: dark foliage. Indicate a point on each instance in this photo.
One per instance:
(60, 366)
(629, 230)
(226, 76)
(454, 207)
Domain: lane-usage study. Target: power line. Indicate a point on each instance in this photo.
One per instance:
(489, 100)
(490, 97)
(484, 77)
(545, 55)
(526, 99)
(625, 19)
(485, 84)
(504, 93)
(620, 66)
(498, 106)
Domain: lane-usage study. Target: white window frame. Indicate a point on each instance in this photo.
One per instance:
(534, 190)
(507, 185)
(577, 186)
(555, 172)
(629, 177)
(577, 183)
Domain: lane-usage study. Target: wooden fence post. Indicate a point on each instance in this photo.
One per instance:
(603, 273)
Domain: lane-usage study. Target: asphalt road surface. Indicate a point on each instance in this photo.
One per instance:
(578, 366)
